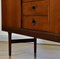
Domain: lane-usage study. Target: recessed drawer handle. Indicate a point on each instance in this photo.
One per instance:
(33, 7)
(33, 22)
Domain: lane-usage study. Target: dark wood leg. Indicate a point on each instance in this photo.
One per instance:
(14, 41)
(9, 36)
(35, 46)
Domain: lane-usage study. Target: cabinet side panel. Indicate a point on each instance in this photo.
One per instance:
(4, 13)
(11, 14)
(51, 16)
(55, 16)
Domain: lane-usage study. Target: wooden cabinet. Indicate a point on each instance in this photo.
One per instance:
(37, 18)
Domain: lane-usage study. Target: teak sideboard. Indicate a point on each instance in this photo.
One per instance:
(35, 18)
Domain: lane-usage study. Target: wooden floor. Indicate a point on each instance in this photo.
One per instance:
(25, 51)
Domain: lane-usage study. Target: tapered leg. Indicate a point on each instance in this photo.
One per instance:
(35, 47)
(9, 36)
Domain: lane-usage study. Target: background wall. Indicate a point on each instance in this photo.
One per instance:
(4, 35)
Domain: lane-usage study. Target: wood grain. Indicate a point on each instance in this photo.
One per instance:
(27, 8)
(41, 7)
(11, 14)
(26, 0)
(54, 16)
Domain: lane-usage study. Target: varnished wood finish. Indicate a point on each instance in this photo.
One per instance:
(11, 14)
(51, 16)
(55, 16)
(27, 0)
(27, 8)
(41, 8)
(41, 23)
(40, 0)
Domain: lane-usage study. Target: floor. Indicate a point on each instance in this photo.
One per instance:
(25, 51)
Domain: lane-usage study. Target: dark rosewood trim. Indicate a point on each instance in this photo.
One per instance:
(38, 34)
(22, 40)
(21, 14)
(9, 42)
(35, 48)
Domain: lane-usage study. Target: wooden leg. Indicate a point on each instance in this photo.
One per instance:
(35, 46)
(9, 36)
(10, 42)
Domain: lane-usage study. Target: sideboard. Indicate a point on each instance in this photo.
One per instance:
(35, 18)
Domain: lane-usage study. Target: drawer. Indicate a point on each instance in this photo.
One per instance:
(35, 8)
(40, 7)
(27, 9)
(36, 22)
(26, 0)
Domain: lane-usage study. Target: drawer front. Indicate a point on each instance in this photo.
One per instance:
(27, 8)
(40, 7)
(36, 22)
(35, 8)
